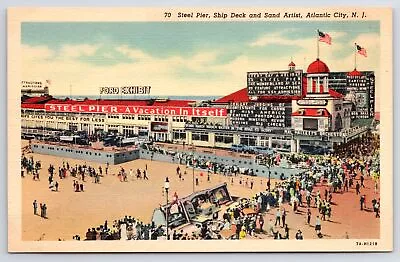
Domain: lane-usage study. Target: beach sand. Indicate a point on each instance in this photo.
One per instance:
(70, 213)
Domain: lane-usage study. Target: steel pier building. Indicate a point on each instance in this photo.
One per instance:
(286, 110)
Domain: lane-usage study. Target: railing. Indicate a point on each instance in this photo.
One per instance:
(84, 147)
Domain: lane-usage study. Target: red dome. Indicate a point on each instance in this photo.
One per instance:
(354, 73)
(292, 64)
(317, 67)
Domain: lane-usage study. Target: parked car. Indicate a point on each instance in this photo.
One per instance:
(238, 148)
(260, 150)
(314, 150)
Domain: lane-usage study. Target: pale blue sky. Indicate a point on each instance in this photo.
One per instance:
(186, 39)
(194, 58)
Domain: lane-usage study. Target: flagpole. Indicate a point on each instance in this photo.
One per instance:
(355, 56)
(317, 44)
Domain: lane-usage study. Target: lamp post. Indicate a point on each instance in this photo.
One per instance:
(166, 187)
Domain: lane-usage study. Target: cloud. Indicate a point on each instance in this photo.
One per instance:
(181, 75)
(31, 53)
(280, 39)
(133, 53)
(277, 38)
(74, 51)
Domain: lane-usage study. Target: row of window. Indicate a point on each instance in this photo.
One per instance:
(179, 134)
(179, 119)
(200, 136)
(129, 117)
(144, 117)
(226, 139)
(161, 118)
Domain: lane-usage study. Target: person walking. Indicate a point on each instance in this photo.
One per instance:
(131, 174)
(318, 226)
(35, 206)
(362, 202)
(286, 232)
(377, 209)
(56, 185)
(308, 216)
(362, 181)
(44, 211)
(346, 185)
(375, 187)
(283, 218)
(278, 217)
(357, 188)
(242, 233)
(261, 222)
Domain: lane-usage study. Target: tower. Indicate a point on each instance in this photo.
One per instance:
(317, 78)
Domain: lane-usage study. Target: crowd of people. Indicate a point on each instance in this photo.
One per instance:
(126, 228)
(337, 173)
(200, 162)
(139, 174)
(29, 166)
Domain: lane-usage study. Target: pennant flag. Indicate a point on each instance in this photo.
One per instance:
(48, 82)
(362, 51)
(324, 37)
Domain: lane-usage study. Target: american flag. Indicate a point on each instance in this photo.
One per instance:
(324, 37)
(362, 51)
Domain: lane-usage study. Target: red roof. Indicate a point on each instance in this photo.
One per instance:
(335, 94)
(37, 99)
(354, 73)
(317, 67)
(312, 112)
(240, 96)
(33, 106)
(292, 64)
(39, 102)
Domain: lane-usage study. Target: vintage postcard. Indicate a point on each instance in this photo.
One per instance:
(155, 129)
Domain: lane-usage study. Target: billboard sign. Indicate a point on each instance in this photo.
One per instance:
(275, 83)
(137, 110)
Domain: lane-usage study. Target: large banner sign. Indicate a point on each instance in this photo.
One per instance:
(275, 83)
(137, 110)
